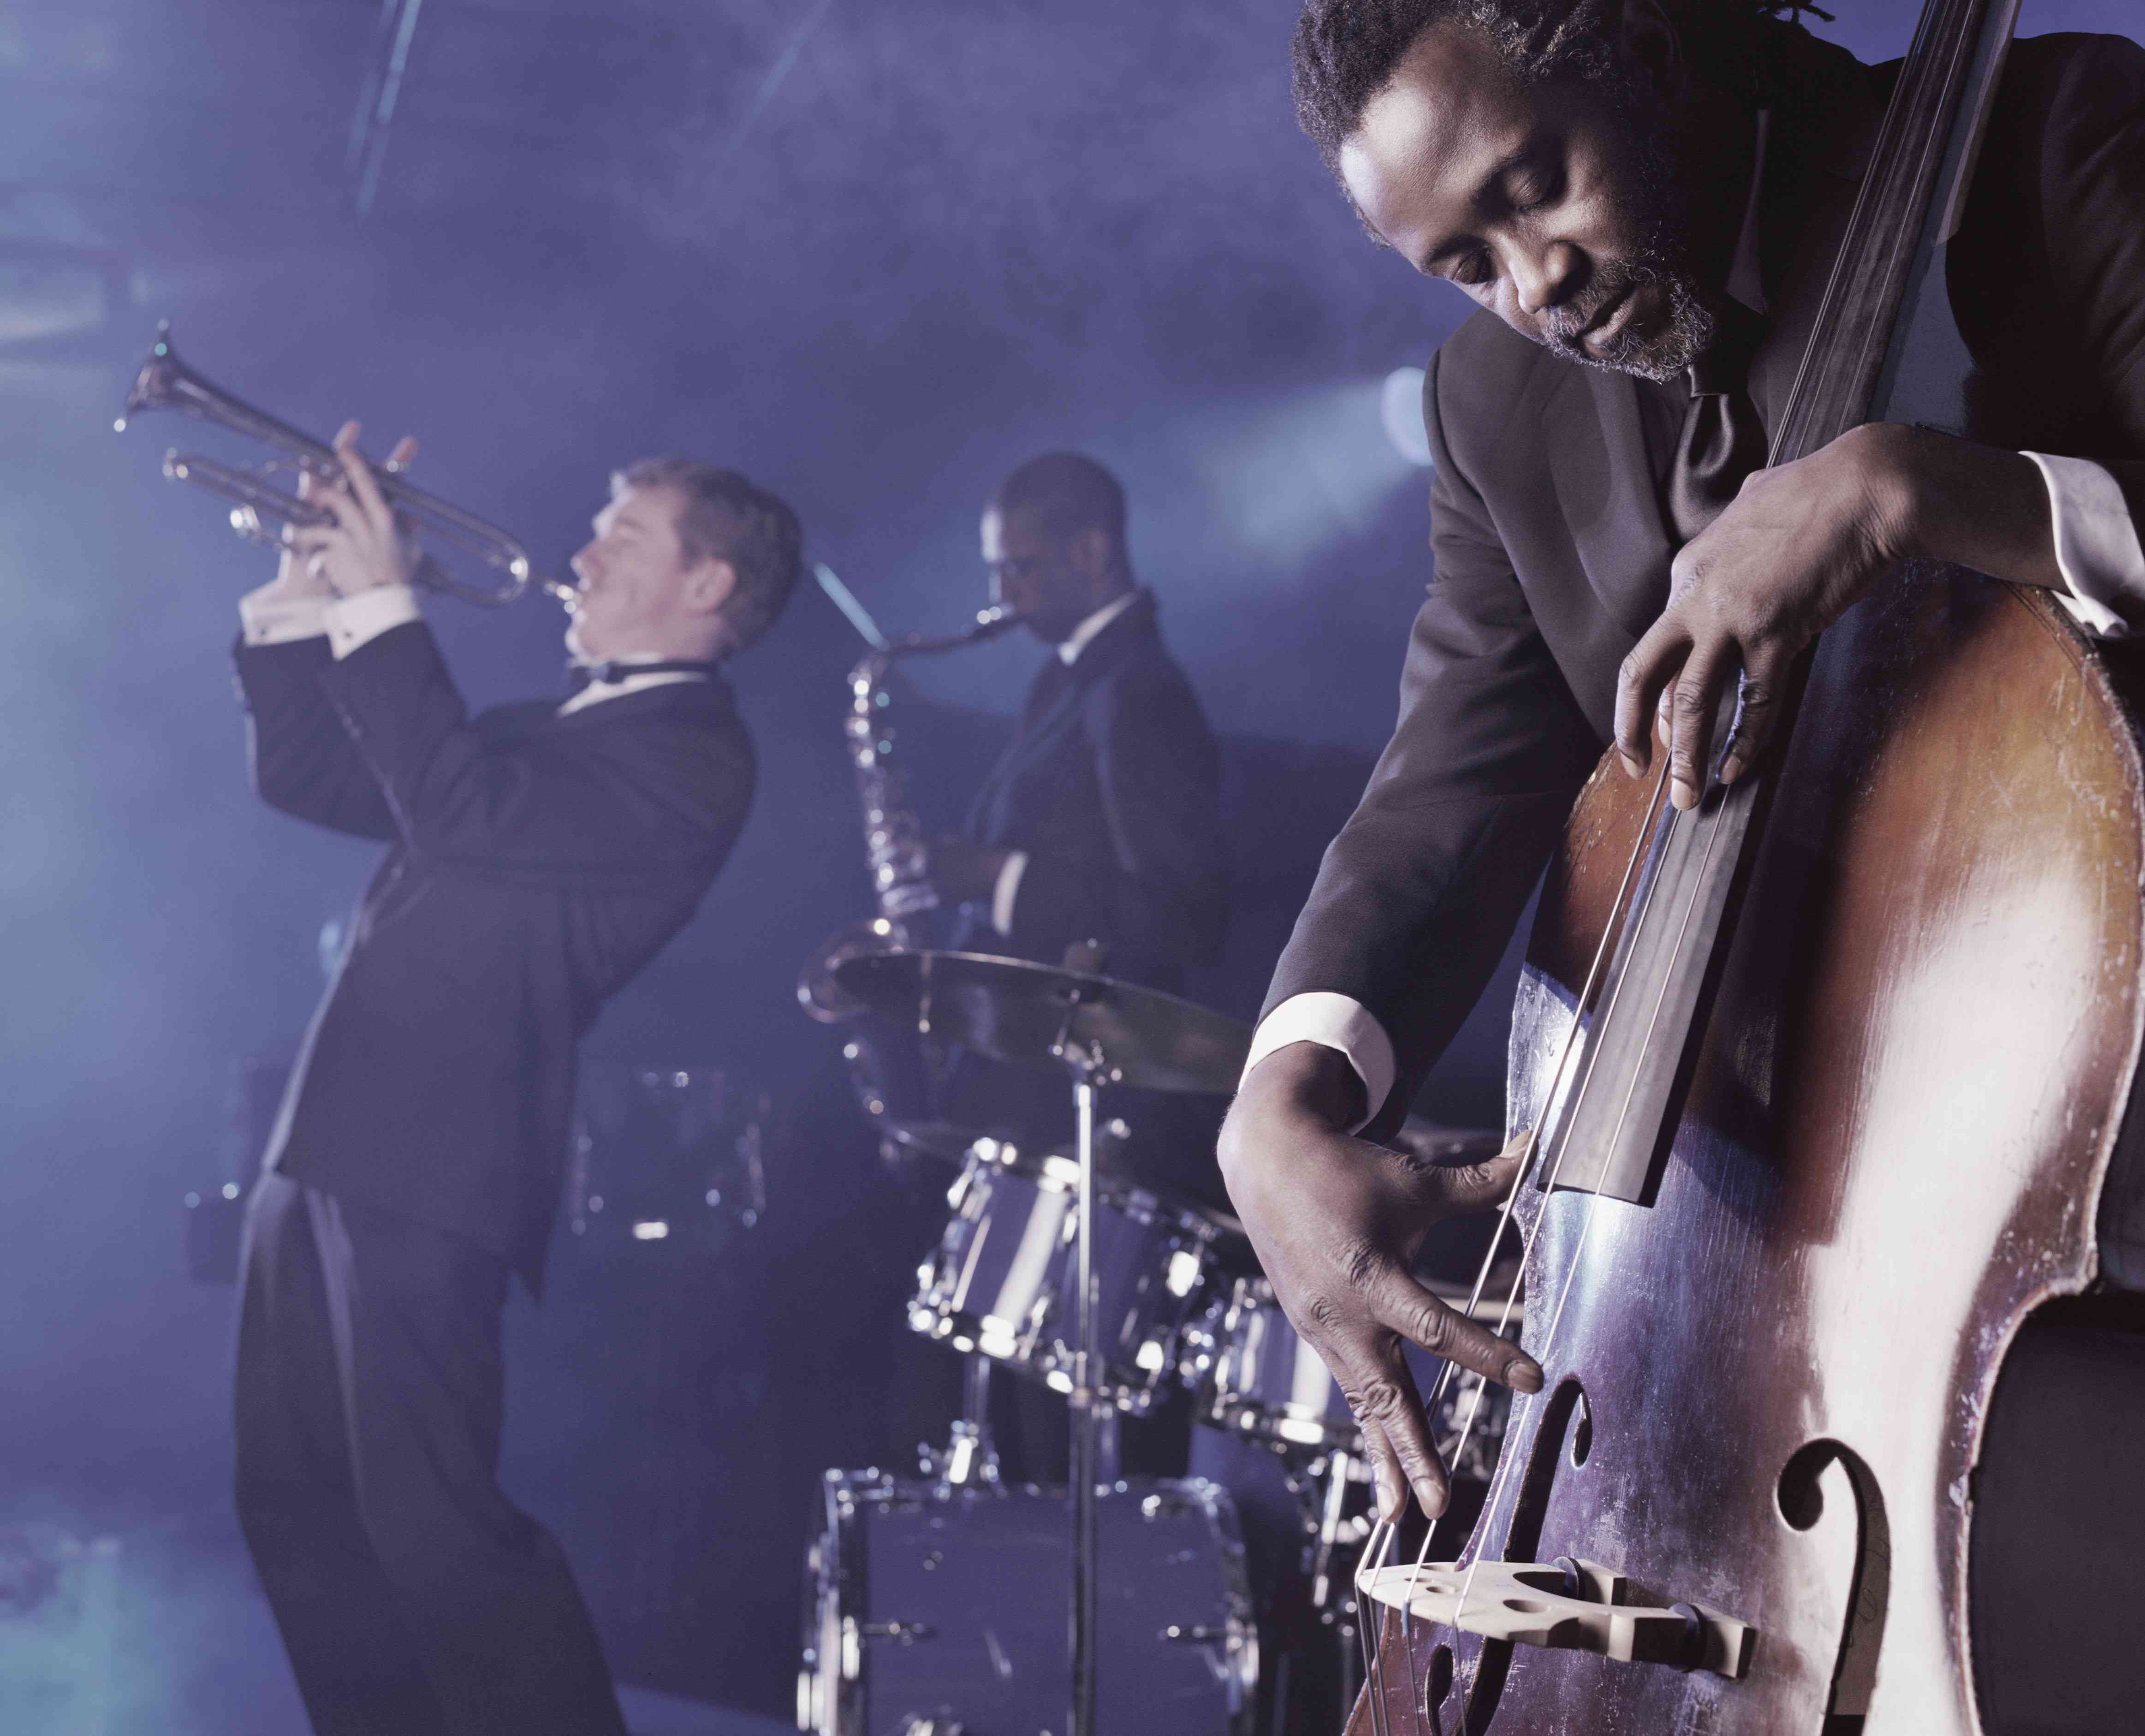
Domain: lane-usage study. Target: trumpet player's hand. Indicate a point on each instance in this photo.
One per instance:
(362, 546)
(1337, 1222)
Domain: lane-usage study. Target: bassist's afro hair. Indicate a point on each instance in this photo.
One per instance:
(1345, 52)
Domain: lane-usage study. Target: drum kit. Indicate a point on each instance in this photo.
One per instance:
(955, 1604)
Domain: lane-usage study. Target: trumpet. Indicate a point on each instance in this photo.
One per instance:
(262, 508)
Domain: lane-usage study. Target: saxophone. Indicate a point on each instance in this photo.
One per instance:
(894, 847)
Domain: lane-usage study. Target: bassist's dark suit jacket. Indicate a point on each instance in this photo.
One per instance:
(1551, 543)
(1112, 786)
(536, 863)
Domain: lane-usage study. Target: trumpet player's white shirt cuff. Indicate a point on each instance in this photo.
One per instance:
(265, 620)
(1006, 889)
(1333, 1022)
(2097, 546)
(360, 619)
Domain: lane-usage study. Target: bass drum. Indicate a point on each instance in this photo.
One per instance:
(947, 1608)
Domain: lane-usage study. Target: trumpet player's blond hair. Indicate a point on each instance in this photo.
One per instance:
(724, 516)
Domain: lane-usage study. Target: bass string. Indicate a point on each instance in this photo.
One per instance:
(1374, 1657)
(1570, 1103)
(1560, 1089)
(1594, 1193)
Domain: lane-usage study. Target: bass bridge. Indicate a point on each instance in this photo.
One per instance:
(1571, 1605)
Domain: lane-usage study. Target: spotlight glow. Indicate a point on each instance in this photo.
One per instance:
(1400, 405)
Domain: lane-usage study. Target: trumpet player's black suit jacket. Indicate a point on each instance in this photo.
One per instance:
(1112, 787)
(1550, 537)
(536, 863)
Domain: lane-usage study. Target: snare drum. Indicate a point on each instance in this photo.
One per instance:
(1003, 1279)
(930, 1608)
(1253, 1376)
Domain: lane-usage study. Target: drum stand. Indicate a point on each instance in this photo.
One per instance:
(970, 1457)
(1094, 1418)
(1332, 1599)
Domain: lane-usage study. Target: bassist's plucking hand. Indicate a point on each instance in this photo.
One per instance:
(1337, 1222)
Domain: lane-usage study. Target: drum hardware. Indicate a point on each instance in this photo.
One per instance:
(969, 1460)
(1099, 1030)
(1085, 1061)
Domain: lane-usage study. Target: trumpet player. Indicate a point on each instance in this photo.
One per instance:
(538, 856)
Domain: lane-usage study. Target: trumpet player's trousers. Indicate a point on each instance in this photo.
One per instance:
(414, 1598)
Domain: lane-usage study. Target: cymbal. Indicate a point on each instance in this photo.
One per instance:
(1014, 1011)
(932, 1139)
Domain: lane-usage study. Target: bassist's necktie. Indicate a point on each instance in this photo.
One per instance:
(1723, 438)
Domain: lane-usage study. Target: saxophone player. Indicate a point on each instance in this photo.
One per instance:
(538, 855)
(1100, 822)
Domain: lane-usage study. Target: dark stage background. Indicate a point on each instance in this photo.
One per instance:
(874, 254)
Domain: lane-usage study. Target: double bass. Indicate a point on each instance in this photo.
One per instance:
(1825, 1076)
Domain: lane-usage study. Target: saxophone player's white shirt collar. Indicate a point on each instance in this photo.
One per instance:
(1079, 639)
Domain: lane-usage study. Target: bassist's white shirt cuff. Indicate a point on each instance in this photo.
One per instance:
(2097, 545)
(1333, 1022)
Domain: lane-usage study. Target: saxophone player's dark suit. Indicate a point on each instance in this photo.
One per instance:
(1112, 787)
(536, 862)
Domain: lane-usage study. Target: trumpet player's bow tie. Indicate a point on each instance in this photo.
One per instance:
(579, 675)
